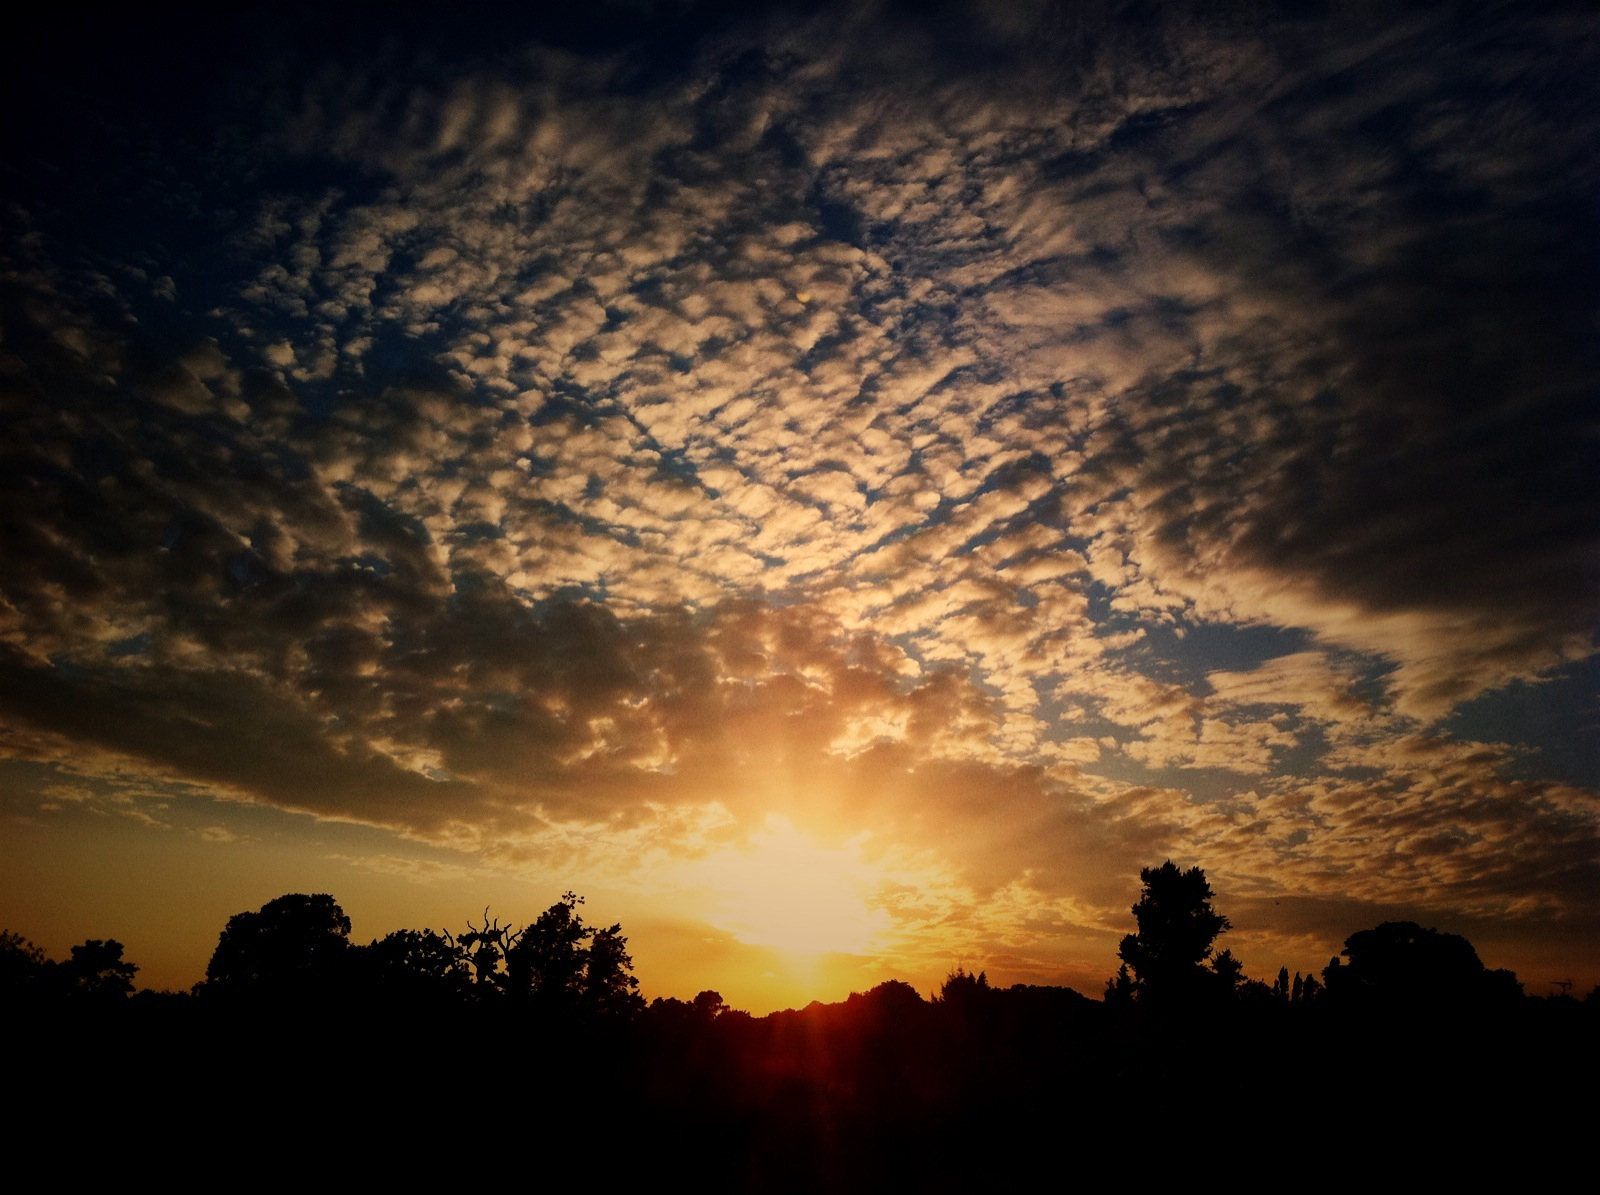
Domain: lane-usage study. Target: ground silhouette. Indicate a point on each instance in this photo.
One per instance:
(489, 1050)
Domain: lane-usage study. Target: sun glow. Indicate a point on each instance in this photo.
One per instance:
(786, 892)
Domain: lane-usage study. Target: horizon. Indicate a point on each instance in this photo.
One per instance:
(801, 964)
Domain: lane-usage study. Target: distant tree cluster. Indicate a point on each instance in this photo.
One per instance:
(297, 949)
(93, 974)
(1400, 965)
(1170, 963)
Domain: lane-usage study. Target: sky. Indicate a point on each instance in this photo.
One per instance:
(842, 487)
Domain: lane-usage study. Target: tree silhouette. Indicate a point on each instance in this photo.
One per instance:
(562, 966)
(545, 965)
(1280, 986)
(293, 946)
(1400, 964)
(1177, 927)
(418, 966)
(963, 989)
(609, 987)
(25, 972)
(709, 1005)
(1119, 988)
(96, 971)
(1228, 970)
(484, 949)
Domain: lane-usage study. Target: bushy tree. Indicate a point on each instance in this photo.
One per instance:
(295, 945)
(26, 975)
(1119, 988)
(94, 973)
(966, 995)
(709, 1005)
(563, 966)
(97, 971)
(609, 987)
(682, 1018)
(1399, 964)
(896, 998)
(546, 963)
(962, 984)
(1228, 970)
(418, 966)
(1177, 927)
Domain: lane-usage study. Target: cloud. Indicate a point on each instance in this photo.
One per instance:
(566, 452)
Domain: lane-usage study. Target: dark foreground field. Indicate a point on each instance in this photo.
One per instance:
(886, 1091)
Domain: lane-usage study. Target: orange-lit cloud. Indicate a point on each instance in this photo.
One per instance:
(887, 454)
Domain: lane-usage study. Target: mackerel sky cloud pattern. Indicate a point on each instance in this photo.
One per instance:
(1011, 448)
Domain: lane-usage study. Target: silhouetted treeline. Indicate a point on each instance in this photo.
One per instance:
(477, 1052)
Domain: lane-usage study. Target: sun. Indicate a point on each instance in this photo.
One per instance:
(784, 891)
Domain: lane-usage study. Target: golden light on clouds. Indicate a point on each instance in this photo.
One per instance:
(864, 504)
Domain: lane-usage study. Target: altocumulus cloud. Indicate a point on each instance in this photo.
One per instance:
(1036, 443)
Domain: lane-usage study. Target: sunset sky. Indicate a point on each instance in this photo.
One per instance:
(840, 486)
